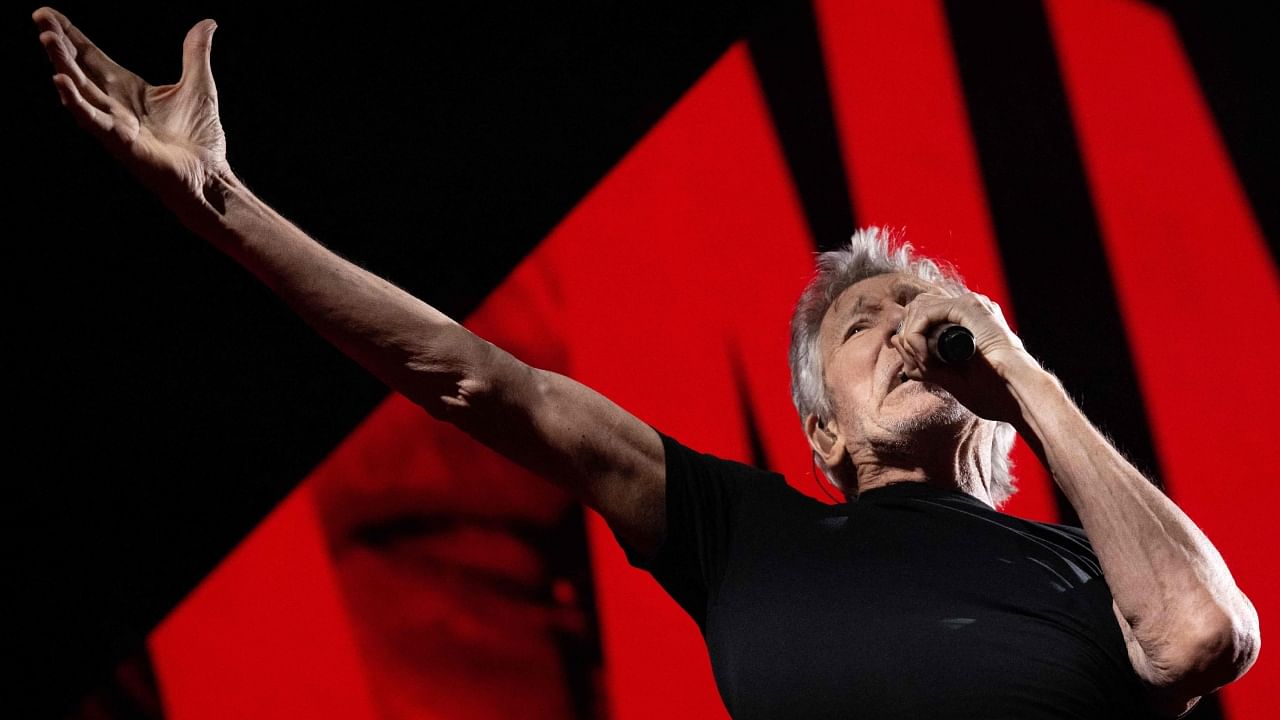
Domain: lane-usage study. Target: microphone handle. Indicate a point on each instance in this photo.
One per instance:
(951, 343)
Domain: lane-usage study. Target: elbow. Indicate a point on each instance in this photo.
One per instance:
(481, 385)
(1237, 640)
(1220, 649)
(451, 377)
(446, 393)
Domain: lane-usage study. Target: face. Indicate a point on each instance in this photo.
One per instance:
(875, 409)
(447, 555)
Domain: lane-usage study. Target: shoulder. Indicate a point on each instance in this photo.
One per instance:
(684, 464)
(722, 484)
(710, 505)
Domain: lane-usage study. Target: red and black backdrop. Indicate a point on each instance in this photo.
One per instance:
(218, 515)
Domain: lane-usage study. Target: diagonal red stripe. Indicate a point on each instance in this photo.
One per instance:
(693, 248)
(265, 634)
(690, 252)
(1196, 287)
(910, 156)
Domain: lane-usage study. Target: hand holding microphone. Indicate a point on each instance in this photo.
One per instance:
(949, 343)
(941, 337)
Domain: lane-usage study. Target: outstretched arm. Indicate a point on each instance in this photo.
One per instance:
(170, 137)
(1188, 628)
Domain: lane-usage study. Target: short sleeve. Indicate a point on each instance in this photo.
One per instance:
(707, 499)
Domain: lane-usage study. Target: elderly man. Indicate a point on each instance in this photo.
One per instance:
(914, 599)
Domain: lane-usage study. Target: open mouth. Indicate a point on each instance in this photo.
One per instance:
(898, 379)
(483, 584)
(505, 555)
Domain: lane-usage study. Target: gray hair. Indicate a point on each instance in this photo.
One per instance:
(872, 251)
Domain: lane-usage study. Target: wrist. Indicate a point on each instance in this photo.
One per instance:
(1035, 390)
(1015, 364)
(202, 205)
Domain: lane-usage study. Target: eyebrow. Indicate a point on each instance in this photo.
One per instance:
(864, 304)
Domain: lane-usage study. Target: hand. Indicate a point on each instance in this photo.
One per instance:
(169, 136)
(982, 383)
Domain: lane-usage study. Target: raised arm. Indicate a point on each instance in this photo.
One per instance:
(1189, 629)
(170, 137)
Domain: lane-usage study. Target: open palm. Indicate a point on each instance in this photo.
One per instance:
(169, 136)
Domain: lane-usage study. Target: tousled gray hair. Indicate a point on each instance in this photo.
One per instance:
(872, 251)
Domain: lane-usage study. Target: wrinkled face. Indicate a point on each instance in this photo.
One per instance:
(449, 559)
(872, 404)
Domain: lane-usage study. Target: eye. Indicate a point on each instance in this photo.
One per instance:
(854, 329)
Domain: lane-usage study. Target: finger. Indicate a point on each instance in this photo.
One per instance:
(993, 307)
(196, 48)
(63, 61)
(44, 19)
(909, 363)
(919, 317)
(86, 115)
(918, 345)
(61, 55)
(96, 63)
(927, 297)
(936, 307)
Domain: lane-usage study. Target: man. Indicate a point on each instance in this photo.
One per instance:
(916, 600)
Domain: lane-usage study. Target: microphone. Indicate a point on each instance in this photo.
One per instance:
(952, 344)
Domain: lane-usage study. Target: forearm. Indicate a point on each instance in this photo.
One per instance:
(547, 422)
(1167, 579)
(409, 345)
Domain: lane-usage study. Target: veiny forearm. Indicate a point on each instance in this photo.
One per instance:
(409, 345)
(547, 422)
(1167, 579)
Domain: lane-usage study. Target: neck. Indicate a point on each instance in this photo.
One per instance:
(954, 458)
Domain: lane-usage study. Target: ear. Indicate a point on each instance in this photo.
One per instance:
(826, 440)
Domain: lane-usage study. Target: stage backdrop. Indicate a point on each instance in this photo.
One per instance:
(220, 516)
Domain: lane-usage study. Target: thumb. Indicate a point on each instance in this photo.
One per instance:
(196, 70)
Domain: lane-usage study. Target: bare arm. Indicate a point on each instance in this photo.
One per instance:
(557, 427)
(1188, 628)
(171, 138)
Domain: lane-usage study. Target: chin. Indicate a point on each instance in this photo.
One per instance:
(930, 408)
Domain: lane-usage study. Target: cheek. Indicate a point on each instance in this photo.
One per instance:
(849, 379)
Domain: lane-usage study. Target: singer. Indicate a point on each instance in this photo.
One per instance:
(915, 598)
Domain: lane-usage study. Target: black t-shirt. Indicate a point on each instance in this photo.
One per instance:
(910, 602)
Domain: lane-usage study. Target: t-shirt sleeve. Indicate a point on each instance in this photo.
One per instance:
(706, 500)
